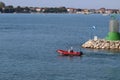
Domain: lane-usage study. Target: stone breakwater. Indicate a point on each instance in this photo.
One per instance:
(102, 44)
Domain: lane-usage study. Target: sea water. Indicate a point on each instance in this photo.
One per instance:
(28, 44)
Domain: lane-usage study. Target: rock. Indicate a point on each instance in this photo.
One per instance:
(102, 44)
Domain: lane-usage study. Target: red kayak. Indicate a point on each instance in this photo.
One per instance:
(69, 53)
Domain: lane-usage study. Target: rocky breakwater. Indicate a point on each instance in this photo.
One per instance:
(102, 44)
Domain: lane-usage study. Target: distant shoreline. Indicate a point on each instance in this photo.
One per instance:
(61, 13)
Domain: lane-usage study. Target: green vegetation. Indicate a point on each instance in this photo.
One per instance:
(2, 4)
(19, 9)
(55, 10)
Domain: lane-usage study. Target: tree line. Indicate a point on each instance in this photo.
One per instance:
(19, 9)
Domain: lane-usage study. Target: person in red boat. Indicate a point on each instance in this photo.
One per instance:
(71, 49)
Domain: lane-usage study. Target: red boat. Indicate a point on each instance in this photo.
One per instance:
(69, 53)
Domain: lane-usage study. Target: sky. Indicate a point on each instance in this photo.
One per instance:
(89, 4)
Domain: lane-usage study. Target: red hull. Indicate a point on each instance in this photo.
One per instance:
(67, 53)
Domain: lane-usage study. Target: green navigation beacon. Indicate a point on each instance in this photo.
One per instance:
(113, 29)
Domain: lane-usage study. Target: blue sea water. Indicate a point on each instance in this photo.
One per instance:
(28, 44)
